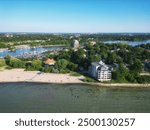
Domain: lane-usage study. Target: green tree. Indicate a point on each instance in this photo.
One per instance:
(78, 57)
(3, 45)
(120, 74)
(16, 63)
(64, 55)
(131, 77)
(61, 65)
(7, 59)
(71, 66)
(36, 64)
(137, 66)
(112, 58)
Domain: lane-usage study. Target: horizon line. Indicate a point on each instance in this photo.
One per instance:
(69, 32)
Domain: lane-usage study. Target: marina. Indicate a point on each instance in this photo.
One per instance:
(29, 51)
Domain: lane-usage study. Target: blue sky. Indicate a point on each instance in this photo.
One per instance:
(75, 16)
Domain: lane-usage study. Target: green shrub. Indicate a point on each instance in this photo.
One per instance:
(143, 79)
(89, 79)
(34, 65)
(16, 63)
(2, 62)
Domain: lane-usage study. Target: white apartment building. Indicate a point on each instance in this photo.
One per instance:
(100, 71)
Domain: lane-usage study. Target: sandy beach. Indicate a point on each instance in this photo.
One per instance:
(19, 75)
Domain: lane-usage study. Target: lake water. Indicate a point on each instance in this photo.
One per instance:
(132, 43)
(35, 97)
(32, 51)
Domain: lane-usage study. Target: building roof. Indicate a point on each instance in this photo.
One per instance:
(101, 64)
(95, 63)
(49, 61)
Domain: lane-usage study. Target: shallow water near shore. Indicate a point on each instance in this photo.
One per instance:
(58, 98)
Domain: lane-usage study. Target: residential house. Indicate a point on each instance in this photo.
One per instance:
(49, 62)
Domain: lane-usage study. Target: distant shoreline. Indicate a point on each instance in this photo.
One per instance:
(28, 46)
(21, 76)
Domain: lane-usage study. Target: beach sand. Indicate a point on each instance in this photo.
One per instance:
(19, 75)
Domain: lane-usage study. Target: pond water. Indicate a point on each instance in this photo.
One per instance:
(49, 98)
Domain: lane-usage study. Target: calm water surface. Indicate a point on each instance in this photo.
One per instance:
(24, 51)
(132, 43)
(34, 97)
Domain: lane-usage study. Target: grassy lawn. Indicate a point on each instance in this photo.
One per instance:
(75, 74)
(4, 68)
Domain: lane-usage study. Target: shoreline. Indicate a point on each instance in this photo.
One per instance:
(102, 85)
(21, 76)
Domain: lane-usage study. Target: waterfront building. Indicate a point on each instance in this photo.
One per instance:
(100, 71)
